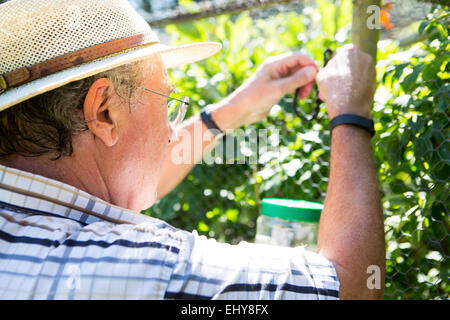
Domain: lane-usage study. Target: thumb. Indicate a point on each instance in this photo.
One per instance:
(298, 79)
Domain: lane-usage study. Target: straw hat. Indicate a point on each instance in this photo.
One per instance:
(47, 44)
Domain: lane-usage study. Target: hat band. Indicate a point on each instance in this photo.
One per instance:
(27, 74)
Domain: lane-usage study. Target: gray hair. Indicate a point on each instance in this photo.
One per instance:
(47, 123)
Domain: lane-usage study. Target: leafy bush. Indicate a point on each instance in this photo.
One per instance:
(413, 154)
(411, 146)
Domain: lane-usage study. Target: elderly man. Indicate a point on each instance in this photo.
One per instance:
(84, 138)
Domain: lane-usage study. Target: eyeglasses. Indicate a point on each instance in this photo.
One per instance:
(176, 107)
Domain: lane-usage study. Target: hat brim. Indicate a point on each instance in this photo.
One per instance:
(172, 56)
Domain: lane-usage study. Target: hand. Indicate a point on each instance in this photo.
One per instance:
(347, 83)
(275, 78)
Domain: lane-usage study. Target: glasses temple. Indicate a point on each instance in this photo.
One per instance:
(164, 95)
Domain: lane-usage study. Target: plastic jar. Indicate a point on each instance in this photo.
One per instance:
(286, 222)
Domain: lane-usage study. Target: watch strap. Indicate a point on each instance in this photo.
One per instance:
(210, 123)
(353, 119)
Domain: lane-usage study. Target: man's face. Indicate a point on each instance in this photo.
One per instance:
(144, 135)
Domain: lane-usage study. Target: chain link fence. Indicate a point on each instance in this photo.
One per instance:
(411, 149)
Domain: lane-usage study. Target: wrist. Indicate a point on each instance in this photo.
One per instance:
(353, 120)
(350, 132)
(367, 115)
(360, 110)
(224, 115)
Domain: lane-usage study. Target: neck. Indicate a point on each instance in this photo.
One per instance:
(84, 175)
(124, 181)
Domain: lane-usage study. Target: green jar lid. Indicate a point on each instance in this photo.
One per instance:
(291, 210)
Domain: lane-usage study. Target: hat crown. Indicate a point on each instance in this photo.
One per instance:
(34, 31)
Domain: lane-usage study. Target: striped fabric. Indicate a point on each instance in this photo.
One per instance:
(58, 242)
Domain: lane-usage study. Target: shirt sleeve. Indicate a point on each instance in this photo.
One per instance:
(207, 269)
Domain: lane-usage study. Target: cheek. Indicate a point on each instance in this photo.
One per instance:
(152, 133)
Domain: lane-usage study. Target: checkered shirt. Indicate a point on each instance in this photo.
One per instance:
(58, 242)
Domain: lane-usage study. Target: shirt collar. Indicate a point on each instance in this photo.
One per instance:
(36, 193)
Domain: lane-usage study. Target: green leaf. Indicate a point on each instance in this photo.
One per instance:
(423, 26)
(232, 214)
(431, 70)
(410, 81)
(202, 227)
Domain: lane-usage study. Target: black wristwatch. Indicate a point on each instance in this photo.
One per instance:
(353, 119)
(210, 123)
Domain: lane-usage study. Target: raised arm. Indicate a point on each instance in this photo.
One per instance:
(250, 103)
(351, 233)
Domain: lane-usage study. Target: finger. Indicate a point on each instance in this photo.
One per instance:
(321, 96)
(305, 91)
(298, 79)
(292, 60)
(300, 60)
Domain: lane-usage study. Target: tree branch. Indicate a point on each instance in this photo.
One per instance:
(363, 36)
(209, 9)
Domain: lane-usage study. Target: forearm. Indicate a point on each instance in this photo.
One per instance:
(351, 232)
(250, 103)
(193, 142)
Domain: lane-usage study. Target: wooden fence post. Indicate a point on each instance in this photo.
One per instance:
(366, 25)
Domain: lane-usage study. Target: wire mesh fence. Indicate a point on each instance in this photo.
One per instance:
(411, 146)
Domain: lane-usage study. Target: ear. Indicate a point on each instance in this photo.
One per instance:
(99, 109)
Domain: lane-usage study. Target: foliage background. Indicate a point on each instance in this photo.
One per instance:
(412, 148)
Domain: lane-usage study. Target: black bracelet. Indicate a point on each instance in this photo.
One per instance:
(353, 119)
(210, 123)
